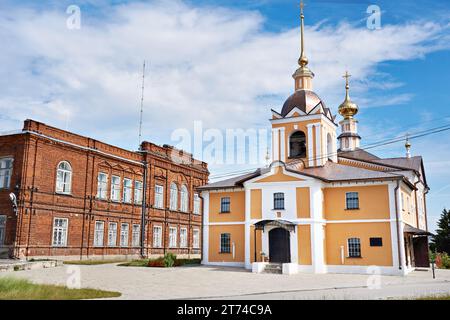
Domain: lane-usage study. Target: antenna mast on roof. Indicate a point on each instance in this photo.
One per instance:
(142, 105)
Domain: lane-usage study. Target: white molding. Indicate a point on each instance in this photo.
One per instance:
(205, 240)
(231, 223)
(310, 145)
(296, 109)
(275, 144)
(304, 118)
(247, 227)
(226, 190)
(318, 157)
(225, 264)
(282, 144)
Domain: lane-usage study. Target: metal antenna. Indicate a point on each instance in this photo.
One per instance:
(142, 105)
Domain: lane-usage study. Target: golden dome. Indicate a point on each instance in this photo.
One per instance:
(348, 109)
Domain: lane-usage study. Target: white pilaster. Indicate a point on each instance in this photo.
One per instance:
(205, 196)
(317, 232)
(318, 128)
(282, 144)
(275, 144)
(247, 227)
(310, 145)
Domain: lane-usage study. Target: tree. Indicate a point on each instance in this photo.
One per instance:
(441, 241)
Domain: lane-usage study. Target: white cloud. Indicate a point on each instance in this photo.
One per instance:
(215, 65)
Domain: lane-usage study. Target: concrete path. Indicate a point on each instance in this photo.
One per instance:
(234, 283)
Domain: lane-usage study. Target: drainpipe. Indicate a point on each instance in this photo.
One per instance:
(144, 207)
(398, 225)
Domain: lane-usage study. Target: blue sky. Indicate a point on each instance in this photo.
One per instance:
(227, 63)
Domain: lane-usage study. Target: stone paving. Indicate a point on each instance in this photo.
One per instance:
(201, 282)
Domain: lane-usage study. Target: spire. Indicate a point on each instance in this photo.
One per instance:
(348, 109)
(303, 76)
(408, 147)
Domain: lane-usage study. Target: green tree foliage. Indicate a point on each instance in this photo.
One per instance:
(441, 241)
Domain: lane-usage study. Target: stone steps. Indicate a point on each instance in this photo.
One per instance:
(275, 268)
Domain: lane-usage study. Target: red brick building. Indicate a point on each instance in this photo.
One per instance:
(79, 198)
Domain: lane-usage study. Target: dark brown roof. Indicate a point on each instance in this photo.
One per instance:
(305, 100)
(235, 181)
(358, 154)
(413, 163)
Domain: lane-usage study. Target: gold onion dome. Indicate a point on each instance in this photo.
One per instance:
(348, 109)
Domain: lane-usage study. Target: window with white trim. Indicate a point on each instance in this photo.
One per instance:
(159, 197)
(183, 238)
(115, 188)
(278, 201)
(172, 237)
(136, 235)
(196, 238)
(225, 243)
(137, 192)
(352, 200)
(124, 234)
(112, 234)
(60, 232)
(99, 233)
(127, 190)
(6, 166)
(184, 198)
(173, 197)
(157, 236)
(64, 178)
(354, 248)
(2, 229)
(197, 203)
(102, 186)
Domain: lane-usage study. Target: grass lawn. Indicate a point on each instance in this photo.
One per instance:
(144, 262)
(135, 263)
(19, 289)
(435, 297)
(92, 262)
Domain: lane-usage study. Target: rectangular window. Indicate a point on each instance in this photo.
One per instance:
(112, 234)
(352, 200)
(124, 235)
(99, 233)
(278, 201)
(225, 205)
(376, 242)
(225, 244)
(157, 237)
(183, 238)
(60, 232)
(138, 192)
(102, 185)
(196, 239)
(136, 235)
(115, 188)
(6, 166)
(127, 190)
(172, 237)
(196, 203)
(354, 248)
(159, 197)
(2, 229)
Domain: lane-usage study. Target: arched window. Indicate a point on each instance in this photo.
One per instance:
(297, 145)
(64, 178)
(329, 147)
(184, 206)
(173, 196)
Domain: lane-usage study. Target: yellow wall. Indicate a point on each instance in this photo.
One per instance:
(237, 207)
(338, 233)
(304, 245)
(303, 203)
(279, 176)
(256, 204)
(373, 203)
(237, 237)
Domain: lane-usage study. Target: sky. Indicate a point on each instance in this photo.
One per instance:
(227, 64)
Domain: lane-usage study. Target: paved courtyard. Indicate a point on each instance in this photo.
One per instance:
(203, 282)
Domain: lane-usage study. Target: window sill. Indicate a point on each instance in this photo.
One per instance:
(224, 252)
(63, 194)
(224, 212)
(283, 209)
(352, 209)
(355, 257)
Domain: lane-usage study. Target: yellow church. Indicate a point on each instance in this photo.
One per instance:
(324, 205)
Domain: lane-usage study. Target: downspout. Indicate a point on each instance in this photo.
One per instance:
(144, 207)
(398, 225)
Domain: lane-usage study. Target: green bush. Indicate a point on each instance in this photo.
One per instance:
(169, 260)
(442, 260)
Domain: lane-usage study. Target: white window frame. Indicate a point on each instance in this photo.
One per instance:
(183, 237)
(60, 229)
(64, 178)
(173, 234)
(157, 236)
(136, 235)
(127, 190)
(348, 247)
(138, 192)
(112, 234)
(159, 196)
(6, 172)
(2, 229)
(197, 203)
(99, 233)
(102, 186)
(196, 238)
(124, 234)
(173, 197)
(115, 189)
(184, 199)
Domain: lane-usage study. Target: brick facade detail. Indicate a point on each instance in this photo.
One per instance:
(39, 149)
